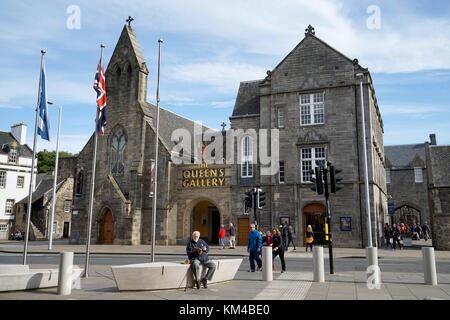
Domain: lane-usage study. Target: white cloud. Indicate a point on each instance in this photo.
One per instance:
(413, 110)
(223, 104)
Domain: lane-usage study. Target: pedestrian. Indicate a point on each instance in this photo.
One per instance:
(396, 236)
(291, 237)
(426, 231)
(268, 239)
(387, 235)
(254, 248)
(232, 233)
(419, 232)
(284, 235)
(222, 236)
(197, 252)
(277, 248)
(309, 237)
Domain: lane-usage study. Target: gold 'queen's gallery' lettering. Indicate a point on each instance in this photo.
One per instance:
(204, 178)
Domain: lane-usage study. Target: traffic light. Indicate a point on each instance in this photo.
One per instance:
(316, 178)
(261, 198)
(248, 200)
(334, 179)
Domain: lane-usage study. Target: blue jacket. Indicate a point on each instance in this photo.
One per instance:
(254, 240)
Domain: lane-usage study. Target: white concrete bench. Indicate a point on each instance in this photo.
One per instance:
(20, 277)
(168, 275)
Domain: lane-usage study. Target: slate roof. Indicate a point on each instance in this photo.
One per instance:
(43, 187)
(402, 155)
(7, 138)
(440, 165)
(247, 100)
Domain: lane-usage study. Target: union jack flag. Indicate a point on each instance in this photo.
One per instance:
(100, 88)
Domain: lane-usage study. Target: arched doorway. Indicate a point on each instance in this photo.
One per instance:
(206, 219)
(314, 215)
(106, 228)
(407, 215)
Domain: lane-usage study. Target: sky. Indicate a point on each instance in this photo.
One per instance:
(210, 46)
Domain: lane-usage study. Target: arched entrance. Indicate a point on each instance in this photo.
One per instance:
(106, 228)
(206, 219)
(314, 215)
(407, 215)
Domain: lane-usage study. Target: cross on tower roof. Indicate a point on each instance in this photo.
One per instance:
(129, 20)
(223, 125)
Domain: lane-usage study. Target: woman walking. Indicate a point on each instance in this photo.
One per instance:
(277, 248)
(309, 237)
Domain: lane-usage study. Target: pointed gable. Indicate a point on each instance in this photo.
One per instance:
(313, 64)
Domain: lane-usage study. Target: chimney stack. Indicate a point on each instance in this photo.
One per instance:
(433, 139)
(19, 132)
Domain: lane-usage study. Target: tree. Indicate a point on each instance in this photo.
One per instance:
(46, 160)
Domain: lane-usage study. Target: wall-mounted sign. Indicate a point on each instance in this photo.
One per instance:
(346, 223)
(204, 177)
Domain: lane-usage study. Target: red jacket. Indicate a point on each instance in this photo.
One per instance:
(222, 233)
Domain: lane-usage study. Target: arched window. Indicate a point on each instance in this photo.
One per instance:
(79, 180)
(247, 157)
(118, 144)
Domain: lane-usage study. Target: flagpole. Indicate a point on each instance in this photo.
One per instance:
(52, 219)
(33, 163)
(91, 203)
(155, 191)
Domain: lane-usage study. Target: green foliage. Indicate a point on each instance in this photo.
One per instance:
(46, 160)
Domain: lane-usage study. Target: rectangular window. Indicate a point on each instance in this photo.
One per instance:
(247, 157)
(9, 209)
(280, 118)
(418, 175)
(20, 182)
(312, 108)
(388, 176)
(310, 159)
(12, 157)
(67, 205)
(55, 225)
(282, 173)
(3, 227)
(2, 179)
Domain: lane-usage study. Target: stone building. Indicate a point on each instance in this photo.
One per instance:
(312, 97)
(407, 182)
(438, 168)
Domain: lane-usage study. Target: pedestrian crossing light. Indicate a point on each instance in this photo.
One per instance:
(248, 200)
(261, 198)
(316, 179)
(334, 179)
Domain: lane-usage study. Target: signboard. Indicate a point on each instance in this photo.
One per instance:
(203, 177)
(346, 223)
(391, 208)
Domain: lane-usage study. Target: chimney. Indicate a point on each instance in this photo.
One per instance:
(433, 139)
(19, 132)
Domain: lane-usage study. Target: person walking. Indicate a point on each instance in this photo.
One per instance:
(254, 248)
(284, 235)
(291, 236)
(396, 236)
(387, 235)
(267, 240)
(309, 237)
(197, 252)
(232, 233)
(277, 248)
(222, 236)
(426, 231)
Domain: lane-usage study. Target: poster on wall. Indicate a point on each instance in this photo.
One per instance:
(346, 223)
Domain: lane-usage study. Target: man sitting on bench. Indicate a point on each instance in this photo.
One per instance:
(197, 252)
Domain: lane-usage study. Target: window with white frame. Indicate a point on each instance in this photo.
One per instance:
(67, 205)
(9, 208)
(388, 175)
(281, 173)
(281, 118)
(247, 157)
(312, 108)
(310, 159)
(12, 156)
(418, 175)
(20, 182)
(3, 227)
(2, 179)
(55, 225)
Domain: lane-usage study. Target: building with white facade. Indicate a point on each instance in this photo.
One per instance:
(15, 174)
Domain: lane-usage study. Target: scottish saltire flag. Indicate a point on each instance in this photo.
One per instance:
(43, 124)
(100, 88)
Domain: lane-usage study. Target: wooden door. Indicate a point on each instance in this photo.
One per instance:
(243, 230)
(107, 228)
(66, 229)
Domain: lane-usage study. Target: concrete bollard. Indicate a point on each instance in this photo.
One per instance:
(319, 269)
(267, 264)
(429, 266)
(372, 264)
(65, 273)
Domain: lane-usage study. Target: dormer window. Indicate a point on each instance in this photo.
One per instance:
(12, 156)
